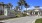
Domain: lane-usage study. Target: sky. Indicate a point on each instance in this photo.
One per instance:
(32, 3)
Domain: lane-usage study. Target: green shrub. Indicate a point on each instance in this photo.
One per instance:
(24, 14)
(17, 15)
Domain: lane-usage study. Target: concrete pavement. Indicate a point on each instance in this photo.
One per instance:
(27, 19)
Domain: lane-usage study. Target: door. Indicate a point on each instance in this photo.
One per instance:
(36, 13)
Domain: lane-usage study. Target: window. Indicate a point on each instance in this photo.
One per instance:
(36, 13)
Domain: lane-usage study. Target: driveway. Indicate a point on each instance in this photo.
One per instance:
(27, 19)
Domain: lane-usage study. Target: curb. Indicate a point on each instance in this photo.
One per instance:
(34, 21)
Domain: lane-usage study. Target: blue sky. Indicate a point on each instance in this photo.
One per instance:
(30, 2)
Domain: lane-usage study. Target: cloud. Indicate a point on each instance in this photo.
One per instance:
(40, 7)
(32, 7)
(29, 8)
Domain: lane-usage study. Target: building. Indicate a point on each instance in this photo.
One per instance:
(5, 8)
(36, 11)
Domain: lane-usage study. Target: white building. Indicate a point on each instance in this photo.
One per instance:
(4, 8)
(36, 11)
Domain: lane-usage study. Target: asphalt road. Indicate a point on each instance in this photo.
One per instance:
(27, 19)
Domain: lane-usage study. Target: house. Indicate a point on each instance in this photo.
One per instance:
(36, 11)
(4, 8)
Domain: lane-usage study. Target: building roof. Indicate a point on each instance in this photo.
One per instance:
(9, 4)
(35, 10)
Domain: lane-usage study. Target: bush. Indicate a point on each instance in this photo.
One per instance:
(17, 15)
(24, 14)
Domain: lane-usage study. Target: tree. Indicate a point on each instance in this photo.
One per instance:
(24, 10)
(21, 3)
(10, 5)
(17, 9)
(26, 6)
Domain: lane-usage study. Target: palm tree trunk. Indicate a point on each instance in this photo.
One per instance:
(21, 8)
(26, 10)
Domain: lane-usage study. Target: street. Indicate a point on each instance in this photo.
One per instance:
(27, 19)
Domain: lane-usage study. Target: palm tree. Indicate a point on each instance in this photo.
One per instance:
(21, 3)
(10, 5)
(26, 6)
